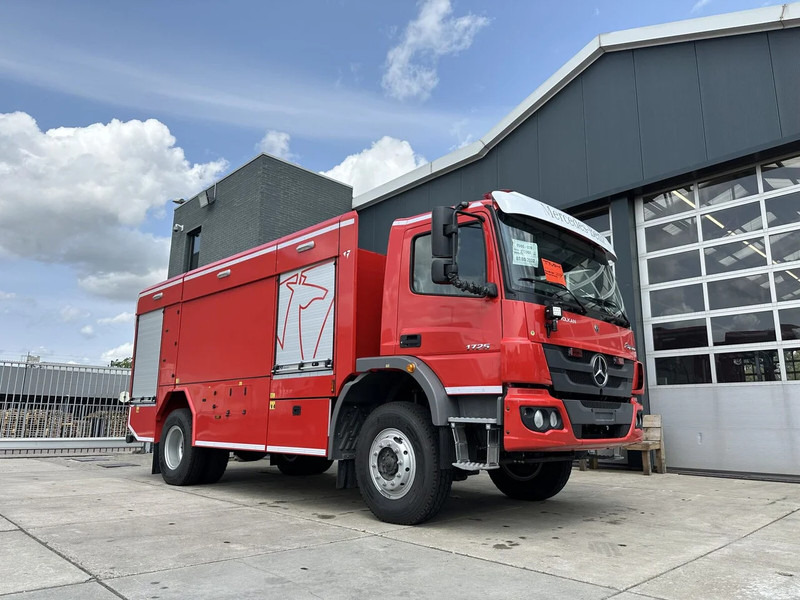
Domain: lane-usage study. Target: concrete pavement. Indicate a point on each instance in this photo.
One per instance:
(100, 528)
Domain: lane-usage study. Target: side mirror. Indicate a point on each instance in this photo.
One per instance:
(441, 269)
(444, 241)
(444, 230)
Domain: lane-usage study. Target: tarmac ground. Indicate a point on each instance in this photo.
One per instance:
(103, 527)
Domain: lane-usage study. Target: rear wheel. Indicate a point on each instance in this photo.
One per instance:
(180, 462)
(216, 463)
(538, 481)
(397, 464)
(292, 464)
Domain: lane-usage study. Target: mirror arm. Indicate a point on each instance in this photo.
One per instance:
(486, 290)
(472, 215)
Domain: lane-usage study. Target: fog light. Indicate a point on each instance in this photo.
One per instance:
(554, 420)
(538, 419)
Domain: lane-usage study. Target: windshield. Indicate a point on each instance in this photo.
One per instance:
(545, 260)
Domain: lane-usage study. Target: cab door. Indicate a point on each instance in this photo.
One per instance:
(456, 333)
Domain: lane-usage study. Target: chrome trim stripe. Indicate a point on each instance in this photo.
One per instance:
(308, 236)
(236, 261)
(231, 445)
(159, 288)
(293, 450)
(474, 389)
(400, 222)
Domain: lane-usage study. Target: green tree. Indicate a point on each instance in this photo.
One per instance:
(123, 362)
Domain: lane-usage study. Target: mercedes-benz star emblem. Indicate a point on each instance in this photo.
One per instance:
(599, 370)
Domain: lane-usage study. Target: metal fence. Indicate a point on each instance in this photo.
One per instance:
(49, 406)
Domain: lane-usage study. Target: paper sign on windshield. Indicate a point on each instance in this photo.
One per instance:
(553, 272)
(525, 254)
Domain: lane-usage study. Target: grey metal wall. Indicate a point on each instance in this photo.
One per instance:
(263, 200)
(633, 118)
(50, 380)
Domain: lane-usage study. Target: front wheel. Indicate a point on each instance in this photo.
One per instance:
(537, 481)
(397, 464)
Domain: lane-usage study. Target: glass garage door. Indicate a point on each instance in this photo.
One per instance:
(720, 272)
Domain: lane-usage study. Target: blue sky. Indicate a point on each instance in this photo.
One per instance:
(108, 110)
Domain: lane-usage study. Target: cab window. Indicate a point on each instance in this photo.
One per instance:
(470, 256)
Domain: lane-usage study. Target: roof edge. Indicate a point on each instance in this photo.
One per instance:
(756, 20)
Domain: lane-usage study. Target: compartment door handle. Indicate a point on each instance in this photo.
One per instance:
(411, 340)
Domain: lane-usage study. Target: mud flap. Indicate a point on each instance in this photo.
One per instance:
(447, 451)
(156, 467)
(346, 475)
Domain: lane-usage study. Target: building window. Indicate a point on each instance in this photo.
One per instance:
(720, 269)
(193, 249)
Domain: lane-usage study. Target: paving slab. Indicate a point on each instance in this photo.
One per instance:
(137, 545)
(367, 567)
(258, 533)
(6, 525)
(29, 466)
(63, 486)
(81, 591)
(617, 556)
(136, 501)
(27, 565)
(755, 567)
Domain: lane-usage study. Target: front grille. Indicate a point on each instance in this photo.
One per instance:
(572, 376)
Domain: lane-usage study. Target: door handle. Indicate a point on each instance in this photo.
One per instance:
(411, 340)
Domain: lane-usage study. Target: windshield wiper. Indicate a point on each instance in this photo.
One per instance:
(609, 306)
(558, 286)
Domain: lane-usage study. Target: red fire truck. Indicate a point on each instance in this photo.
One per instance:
(491, 336)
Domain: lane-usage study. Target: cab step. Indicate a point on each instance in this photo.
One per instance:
(457, 425)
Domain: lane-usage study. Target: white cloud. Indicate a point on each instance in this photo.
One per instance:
(699, 5)
(275, 143)
(7, 295)
(242, 95)
(77, 195)
(411, 65)
(385, 160)
(460, 132)
(87, 331)
(71, 313)
(123, 317)
(123, 351)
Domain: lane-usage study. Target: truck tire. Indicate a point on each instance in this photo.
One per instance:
(397, 464)
(180, 462)
(249, 455)
(216, 463)
(538, 481)
(296, 465)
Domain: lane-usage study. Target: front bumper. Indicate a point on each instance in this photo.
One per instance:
(583, 423)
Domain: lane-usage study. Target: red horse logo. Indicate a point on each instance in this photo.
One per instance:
(305, 310)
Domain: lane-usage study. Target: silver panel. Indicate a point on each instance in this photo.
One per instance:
(742, 427)
(304, 337)
(148, 350)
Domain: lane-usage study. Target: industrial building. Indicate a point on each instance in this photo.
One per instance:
(261, 201)
(682, 143)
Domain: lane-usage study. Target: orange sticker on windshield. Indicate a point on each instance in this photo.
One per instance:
(553, 272)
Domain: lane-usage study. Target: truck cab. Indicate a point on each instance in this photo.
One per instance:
(514, 307)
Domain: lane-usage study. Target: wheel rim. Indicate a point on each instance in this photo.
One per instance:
(392, 463)
(173, 447)
(522, 472)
